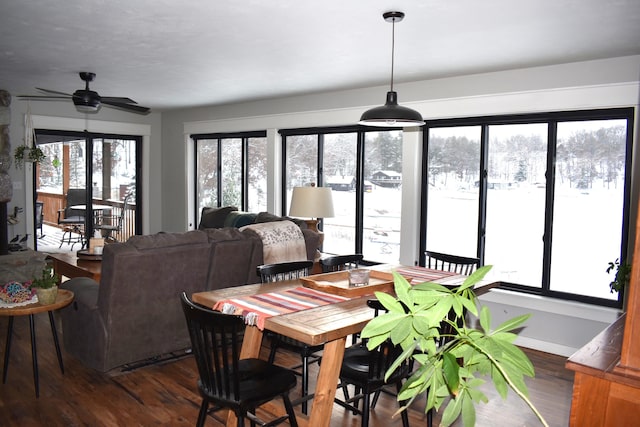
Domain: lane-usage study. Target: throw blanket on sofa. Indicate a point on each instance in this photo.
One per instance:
(282, 241)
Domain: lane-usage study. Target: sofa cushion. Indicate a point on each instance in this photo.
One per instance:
(161, 239)
(214, 217)
(224, 234)
(239, 219)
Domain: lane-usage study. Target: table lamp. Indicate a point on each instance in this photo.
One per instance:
(311, 202)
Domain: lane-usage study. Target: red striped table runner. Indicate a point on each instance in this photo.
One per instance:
(256, 308)
(415, 275)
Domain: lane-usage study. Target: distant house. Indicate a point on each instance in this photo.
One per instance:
(390, 179)
(341, 183)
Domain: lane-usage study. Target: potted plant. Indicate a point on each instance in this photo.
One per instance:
(450, 369)
(46, 286)
(623, 274)
(24, 153)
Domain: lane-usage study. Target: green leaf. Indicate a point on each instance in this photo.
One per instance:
(389, 302)
(512, 324)
(402, 329)
(450, 369)
(470, 305)
(485, 319)
(382, 324)
(451, 412)
(499, 382)
(468, 411)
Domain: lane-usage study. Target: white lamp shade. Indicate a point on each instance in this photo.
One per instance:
(311, 202)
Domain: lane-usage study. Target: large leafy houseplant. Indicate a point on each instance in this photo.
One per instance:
(451, 365)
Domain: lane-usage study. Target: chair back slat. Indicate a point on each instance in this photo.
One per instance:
(453, 263)
(340, 262)
(284, 271)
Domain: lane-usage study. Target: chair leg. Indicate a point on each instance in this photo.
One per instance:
(403, 414)
(366, 407)
(305, 381)
(202, 415)
(289, 408)
(274, 348)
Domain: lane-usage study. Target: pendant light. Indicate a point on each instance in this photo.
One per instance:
(391, 114)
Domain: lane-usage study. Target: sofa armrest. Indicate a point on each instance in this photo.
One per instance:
(85, 291)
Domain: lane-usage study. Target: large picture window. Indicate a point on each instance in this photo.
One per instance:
(363, 168)
(543, 198)
(231, 170)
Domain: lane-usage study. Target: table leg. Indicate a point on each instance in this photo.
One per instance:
(251, 343)
(34, 354)
(7, 350)
(54, 332)
(327, 383)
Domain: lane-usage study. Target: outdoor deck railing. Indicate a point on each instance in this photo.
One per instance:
(52, 203)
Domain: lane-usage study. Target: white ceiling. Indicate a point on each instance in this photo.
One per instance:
(169, 54)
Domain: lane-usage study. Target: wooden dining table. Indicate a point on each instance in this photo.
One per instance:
(329, 324)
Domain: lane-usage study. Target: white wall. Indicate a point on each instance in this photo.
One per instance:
(555, 326)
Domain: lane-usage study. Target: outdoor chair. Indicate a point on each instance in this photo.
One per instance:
(112, 224)
(39, 218)
(290, 271)
(72, 220)
(225, 380)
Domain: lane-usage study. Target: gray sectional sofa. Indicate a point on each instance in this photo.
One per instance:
(134, 312)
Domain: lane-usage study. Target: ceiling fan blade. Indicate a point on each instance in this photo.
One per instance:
(117, 99)
(125, 106)
(41, 97)
(53, 91)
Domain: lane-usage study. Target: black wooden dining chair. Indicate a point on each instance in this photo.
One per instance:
(453, 263)
(290, 271)
(340, 262)
(225, 380)
(365, 369)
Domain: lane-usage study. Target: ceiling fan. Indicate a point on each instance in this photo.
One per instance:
(88, 101)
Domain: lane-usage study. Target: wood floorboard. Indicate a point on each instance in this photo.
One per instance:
(166, 394)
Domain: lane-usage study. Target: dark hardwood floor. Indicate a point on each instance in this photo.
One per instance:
(166, 394)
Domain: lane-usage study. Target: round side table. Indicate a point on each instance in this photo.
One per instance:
(63, 299)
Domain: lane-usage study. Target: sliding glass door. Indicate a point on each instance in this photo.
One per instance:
(103, 169)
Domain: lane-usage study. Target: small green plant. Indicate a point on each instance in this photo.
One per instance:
(47, 280)
(622, 277)
(452, 371)
(24, 153)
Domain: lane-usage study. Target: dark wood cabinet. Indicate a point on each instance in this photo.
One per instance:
(606, 388)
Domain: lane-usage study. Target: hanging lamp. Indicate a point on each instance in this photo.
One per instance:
(391, 114)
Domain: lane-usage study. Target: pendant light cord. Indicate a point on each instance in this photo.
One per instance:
(393, 47)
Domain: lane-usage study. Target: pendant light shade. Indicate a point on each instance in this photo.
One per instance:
(391, 114)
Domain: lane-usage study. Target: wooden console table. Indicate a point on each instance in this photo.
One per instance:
(603, 395)
(606, 388)
(69, 265)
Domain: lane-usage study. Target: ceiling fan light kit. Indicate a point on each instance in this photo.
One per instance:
(391, 114)
(89, 101)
